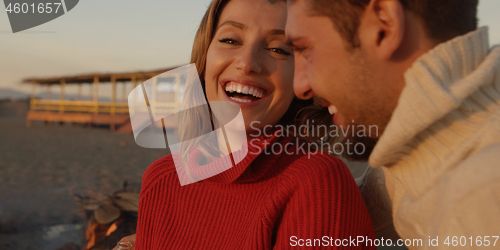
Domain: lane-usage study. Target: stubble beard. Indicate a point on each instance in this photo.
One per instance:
(367, 112)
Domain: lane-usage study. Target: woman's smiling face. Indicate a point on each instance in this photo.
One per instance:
(249, 63)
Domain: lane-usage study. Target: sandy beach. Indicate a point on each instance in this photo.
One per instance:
(43, 167)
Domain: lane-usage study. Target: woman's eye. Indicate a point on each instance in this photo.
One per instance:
(227, 40)
(279, 51)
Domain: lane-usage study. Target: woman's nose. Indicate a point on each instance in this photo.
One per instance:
(301, 85)
(249, 61)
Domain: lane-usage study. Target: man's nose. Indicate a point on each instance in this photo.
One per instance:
(301, 85)
(249, 61)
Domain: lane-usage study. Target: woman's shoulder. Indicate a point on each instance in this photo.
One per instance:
(160, 170)
(319, 163)
(319, 179)
(318, 170)
(320, 187)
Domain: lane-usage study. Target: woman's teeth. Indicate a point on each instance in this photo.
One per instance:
(332, 109)
(245, 91)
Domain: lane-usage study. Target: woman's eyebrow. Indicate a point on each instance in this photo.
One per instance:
(243, 27)
(233, 23)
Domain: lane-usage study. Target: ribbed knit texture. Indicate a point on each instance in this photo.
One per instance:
(433, 148)
(258, 204)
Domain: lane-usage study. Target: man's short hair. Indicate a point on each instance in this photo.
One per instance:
(442, 19)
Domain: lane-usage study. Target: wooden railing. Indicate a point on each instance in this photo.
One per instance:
(98, 107)
(78, 106)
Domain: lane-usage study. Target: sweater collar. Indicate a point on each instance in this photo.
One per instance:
(436, 84)
(239, 172)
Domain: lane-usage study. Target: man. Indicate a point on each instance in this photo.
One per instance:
(419, 85)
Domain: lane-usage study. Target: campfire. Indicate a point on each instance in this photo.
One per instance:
(110, 217)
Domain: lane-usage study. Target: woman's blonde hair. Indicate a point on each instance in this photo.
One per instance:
(297, 114)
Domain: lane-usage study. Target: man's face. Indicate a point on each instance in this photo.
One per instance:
(347, 79)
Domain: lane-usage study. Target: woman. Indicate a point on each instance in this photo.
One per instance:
(269, 200)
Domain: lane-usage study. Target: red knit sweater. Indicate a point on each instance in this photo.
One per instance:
(266, 201)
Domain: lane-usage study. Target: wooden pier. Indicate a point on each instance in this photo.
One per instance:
(92, 111)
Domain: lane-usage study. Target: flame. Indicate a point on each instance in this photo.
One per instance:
(95, 232)
(90, 235)
(112, 228)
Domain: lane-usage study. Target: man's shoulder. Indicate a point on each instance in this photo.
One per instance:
(484, 162)
(476, 171)
(487, 155)
(468, 199)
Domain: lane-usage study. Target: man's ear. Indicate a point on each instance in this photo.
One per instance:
(382, 28)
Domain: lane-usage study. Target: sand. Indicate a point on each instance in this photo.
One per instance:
(42, 167)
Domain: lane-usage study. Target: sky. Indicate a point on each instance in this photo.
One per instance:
(119, 36)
